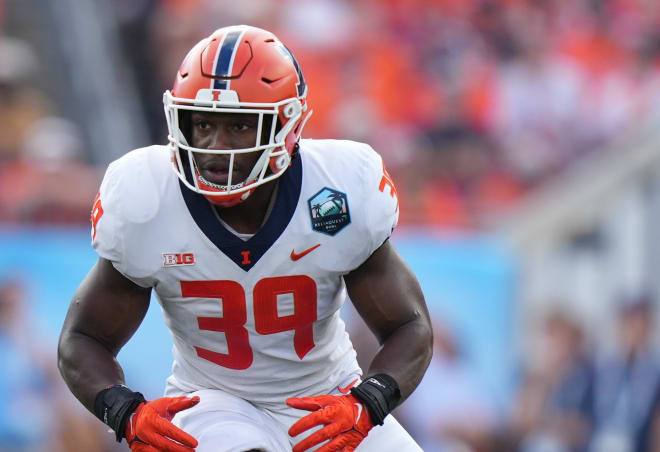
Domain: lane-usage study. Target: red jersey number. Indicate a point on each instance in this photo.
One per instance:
(97, 213)
(386, 181)
(239, 354)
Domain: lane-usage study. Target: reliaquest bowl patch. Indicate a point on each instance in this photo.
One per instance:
(329, 211)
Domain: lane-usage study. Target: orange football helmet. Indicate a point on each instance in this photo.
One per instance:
(238, 69)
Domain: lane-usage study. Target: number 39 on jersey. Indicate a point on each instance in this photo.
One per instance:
(266, 319)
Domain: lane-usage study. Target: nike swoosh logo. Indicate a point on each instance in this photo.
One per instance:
(348, 387)
(295, 256)
(359, 405)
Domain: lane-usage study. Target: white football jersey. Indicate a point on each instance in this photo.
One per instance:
(256, 318)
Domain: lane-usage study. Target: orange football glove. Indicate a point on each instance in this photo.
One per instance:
(346, 419)
(149, 428)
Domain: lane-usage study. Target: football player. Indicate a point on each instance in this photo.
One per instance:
(251, 239)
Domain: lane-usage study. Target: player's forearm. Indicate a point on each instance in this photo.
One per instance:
(87, 366)
(405, 354)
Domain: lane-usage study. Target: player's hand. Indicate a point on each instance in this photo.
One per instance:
(149, 428)
(346, 421)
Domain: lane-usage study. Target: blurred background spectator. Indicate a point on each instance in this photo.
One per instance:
(627, 384)
(472, 103)
(554, 402)
(524, 138)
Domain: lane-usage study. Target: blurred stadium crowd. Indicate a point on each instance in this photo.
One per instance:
(473, 104)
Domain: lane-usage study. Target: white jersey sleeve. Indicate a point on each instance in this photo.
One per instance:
(380, 203)
(127, 201)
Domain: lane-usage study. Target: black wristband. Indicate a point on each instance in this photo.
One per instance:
(114, 405)
(380, 394)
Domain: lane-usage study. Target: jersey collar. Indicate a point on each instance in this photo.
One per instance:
(245, 254)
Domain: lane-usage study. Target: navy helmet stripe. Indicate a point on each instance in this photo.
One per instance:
(224, 59)
(302, 85)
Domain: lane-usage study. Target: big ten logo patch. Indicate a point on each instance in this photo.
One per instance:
(171, 259)
(329, 211)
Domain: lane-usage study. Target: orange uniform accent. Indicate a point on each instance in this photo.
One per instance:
(295, 256)
(97, 213)
(386, 180)
(348, 387)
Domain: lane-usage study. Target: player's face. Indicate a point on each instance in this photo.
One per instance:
(224, 131)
